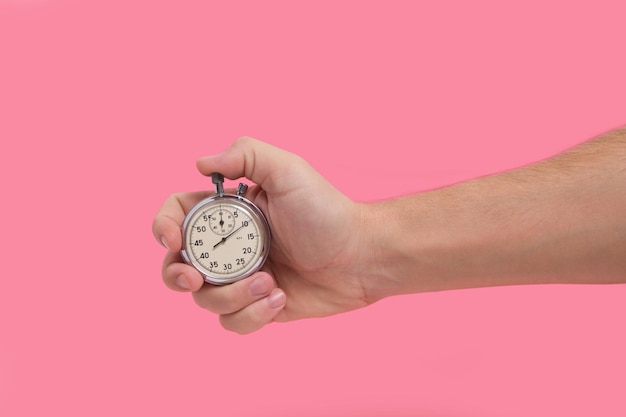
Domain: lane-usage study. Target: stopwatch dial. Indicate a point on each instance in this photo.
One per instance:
(221, 221)
(225, 254)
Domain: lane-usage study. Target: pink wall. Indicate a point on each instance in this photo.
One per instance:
(106, 104)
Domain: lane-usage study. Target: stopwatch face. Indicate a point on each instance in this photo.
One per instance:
(226, 238)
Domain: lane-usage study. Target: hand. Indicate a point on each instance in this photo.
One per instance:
(312, 269)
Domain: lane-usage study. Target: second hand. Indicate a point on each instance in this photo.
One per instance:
(223, 240)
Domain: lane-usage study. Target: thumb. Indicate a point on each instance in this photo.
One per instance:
(257, 161)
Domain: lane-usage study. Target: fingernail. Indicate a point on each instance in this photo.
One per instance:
(276, 299)
(181, 281)
(260, 286)
(164, 242)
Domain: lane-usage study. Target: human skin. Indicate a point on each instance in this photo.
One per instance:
(561, 220)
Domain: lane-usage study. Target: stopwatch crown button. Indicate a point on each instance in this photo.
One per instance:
(218, 180)
(241, 189)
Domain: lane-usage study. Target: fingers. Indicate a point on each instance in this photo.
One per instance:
(256, 315)
(233, 297)
(245, 306)
(179, 276)
(166, 226)
(258, 161)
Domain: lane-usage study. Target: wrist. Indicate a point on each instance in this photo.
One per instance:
(388, 256)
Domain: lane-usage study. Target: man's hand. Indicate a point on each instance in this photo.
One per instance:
(312, 266)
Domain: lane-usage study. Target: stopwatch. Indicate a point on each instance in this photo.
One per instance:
(225, 236)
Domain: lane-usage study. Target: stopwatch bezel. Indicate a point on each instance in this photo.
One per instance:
(255, 214)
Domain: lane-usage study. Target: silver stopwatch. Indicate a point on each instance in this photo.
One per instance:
(226, 236)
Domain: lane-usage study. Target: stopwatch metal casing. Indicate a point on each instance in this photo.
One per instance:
(226, 237)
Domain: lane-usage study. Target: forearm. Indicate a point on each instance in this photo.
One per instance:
(562, 220)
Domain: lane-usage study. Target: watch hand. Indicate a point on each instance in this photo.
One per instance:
(223, 240)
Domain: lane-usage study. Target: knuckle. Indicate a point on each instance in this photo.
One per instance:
(215, 299)
(237, 326)
(244, 141)
(228, 300)
(156, 226)
(227, 322)
(169, 271)
(245, 321)
(202, 300)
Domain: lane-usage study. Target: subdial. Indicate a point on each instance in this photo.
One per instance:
(221, 221)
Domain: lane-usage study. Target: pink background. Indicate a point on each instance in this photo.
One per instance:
(106, 104)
